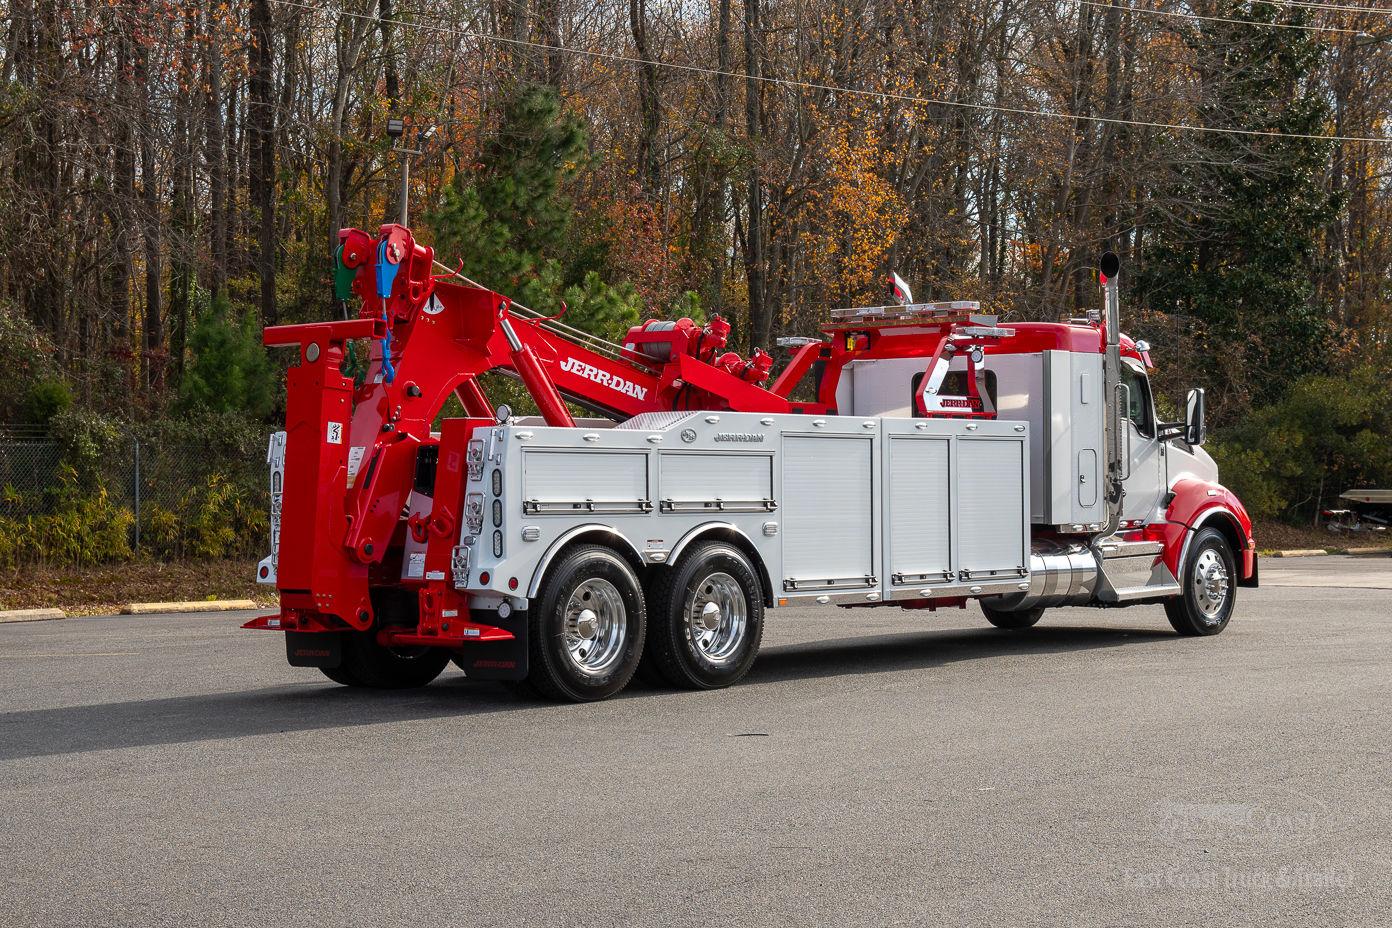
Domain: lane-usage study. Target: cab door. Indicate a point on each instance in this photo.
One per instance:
(1145, 482)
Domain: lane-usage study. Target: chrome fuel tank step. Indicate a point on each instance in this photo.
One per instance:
(1073, 574)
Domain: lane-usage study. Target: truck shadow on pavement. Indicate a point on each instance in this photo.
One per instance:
(309, 706)
(920, 650)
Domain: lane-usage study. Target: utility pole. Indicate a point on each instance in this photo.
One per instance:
(396, 128)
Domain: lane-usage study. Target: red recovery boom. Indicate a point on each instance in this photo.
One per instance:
(352, 460)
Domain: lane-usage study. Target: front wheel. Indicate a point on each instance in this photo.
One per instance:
(708, 618)
(586, 628)
(1207, 588)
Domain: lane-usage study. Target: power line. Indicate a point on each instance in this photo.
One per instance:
(1212, 19)
(1330, 7)
(872, 94)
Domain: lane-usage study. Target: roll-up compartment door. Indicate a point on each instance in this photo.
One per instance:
(920, 518)
(828, 519)
(991, 477)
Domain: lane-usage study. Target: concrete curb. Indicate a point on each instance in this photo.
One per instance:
(32, 615)
(205, 605)
(1369, 552)
(1301, 552)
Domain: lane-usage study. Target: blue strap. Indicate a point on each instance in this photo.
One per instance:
(386, 275)
(386, 271)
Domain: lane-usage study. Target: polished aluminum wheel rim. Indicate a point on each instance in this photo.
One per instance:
(595, 627)
(1211, 585)
(717, 618)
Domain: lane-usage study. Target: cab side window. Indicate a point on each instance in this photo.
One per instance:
(1139, 410)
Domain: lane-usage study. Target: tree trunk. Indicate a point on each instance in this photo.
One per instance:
(181, 208)
(552, 67)
(215, 163)
(393, 88)
(648, 102)
(261, 110)
(152, 353)
(233, 158)
(754, 252)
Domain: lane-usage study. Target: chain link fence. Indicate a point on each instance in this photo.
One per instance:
(173, 499)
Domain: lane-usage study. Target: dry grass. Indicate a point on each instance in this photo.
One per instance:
(104, 590)
(1277, 536)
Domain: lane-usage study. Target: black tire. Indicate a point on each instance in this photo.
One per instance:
(339, 675)
(378, 667)
(712, 582)
(577, 653)
(1208, 585)
(648, 672)
(1025, 618)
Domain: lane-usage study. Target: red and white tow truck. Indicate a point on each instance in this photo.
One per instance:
(945, 458)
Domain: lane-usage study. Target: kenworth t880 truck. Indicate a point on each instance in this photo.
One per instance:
(945, 458)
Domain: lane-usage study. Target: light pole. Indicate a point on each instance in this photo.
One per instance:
(396, 128)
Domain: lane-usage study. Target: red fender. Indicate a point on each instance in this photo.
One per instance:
(1198, 504)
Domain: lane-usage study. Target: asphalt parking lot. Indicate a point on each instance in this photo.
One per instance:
(877, 767)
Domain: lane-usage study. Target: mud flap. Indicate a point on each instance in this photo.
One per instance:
(1252, 580)
(314, 649)
(496, 660)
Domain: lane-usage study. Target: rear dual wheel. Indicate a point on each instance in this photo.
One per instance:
(587, 626)
(707, 618)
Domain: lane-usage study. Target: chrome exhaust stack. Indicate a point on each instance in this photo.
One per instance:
(1117, 464)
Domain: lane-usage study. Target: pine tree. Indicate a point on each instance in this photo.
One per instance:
(230, 370)
(508, 218)
(1239, 239)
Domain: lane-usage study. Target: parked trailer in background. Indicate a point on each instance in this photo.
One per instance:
(945, 458)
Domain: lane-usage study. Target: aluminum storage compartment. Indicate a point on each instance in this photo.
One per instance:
(1073, 445)
(992, 489)
(956, 504)
(693, 481)
(586, 480)
(841, 509)
(829, 505)
(920, 510)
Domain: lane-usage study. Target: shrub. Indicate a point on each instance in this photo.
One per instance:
(1328, 434)
(46, 399)
(84, 527)
(217, 518)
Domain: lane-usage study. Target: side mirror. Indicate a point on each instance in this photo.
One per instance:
(1194, 431)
